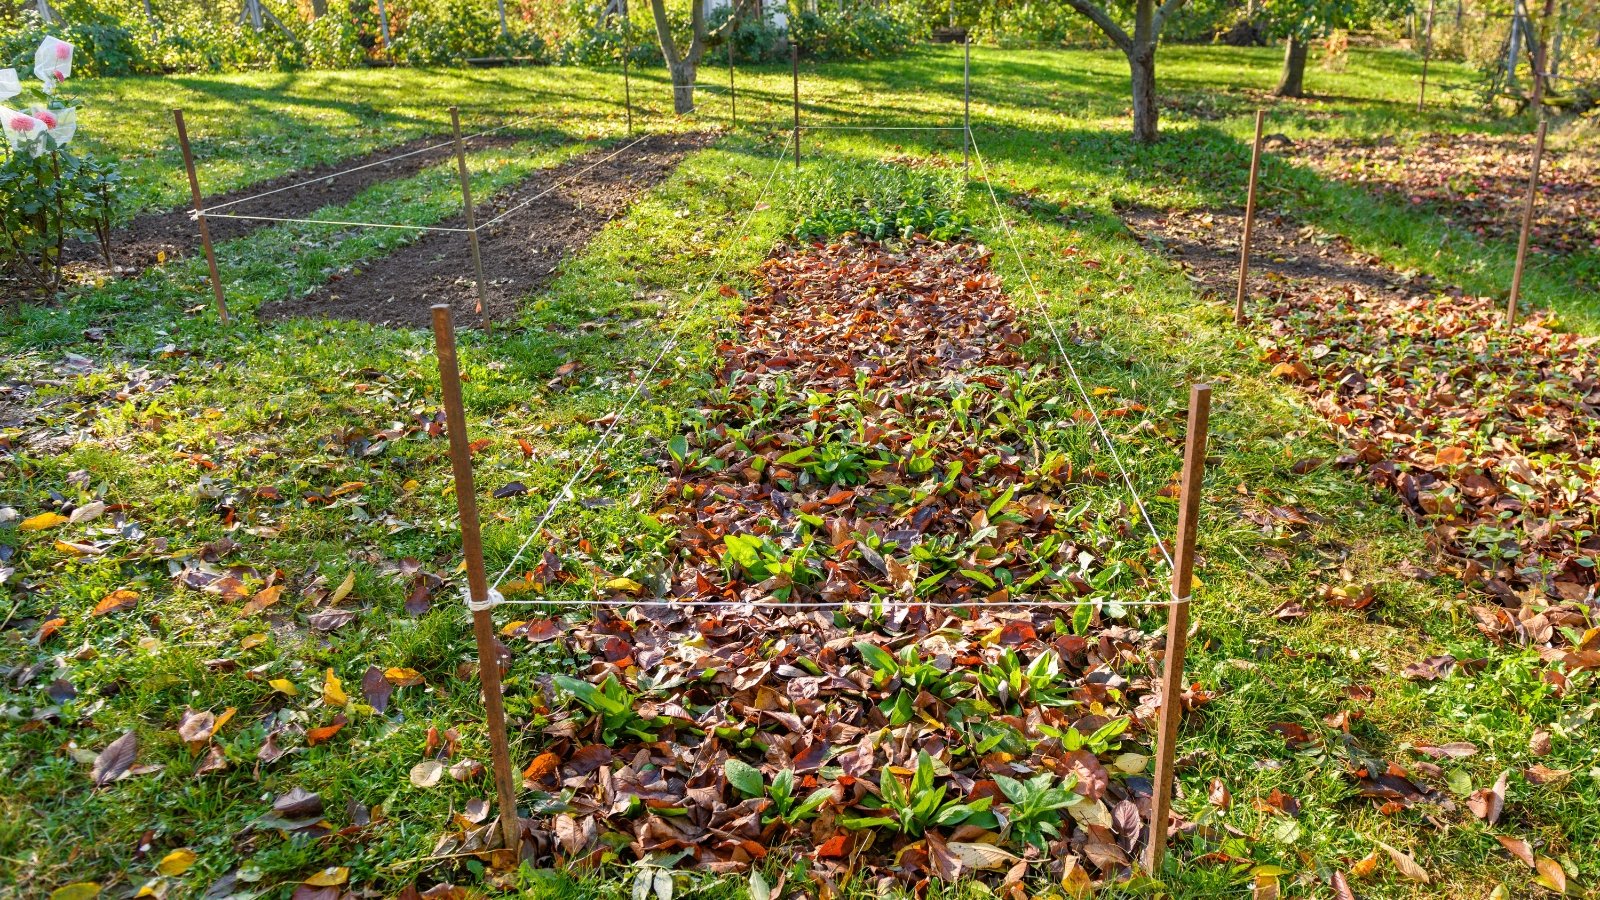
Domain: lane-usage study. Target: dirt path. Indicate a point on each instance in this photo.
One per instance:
(1490, 437)
(519, 254)
(141, 243)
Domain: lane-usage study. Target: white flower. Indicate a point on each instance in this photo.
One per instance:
(52, 63)
(9, 85)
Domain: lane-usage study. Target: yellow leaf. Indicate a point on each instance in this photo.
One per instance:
(333, 691)
(40, 523)
(511, 628)
(264, 598)
(82, 890)
(626, 585)
(1551, 875)
(177, 862)
(344, 588)
(1103, 391)
(284, 686)
(252, 641)
(349, 487)
(402, 677)
(1366, 866)
(329, 877)
(222, 719)
(410, 485)
(155, 887)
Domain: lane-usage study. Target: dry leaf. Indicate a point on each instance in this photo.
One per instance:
(116, 601)
(176, 863)
(1407, 866)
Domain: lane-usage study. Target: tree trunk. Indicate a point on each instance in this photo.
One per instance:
(319, 8)
(681, 66)
(1142, 66)
(383, 25)
(683, 75)
(1293, 82)
(504, 31)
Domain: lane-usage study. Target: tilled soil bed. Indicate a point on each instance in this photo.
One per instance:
(520, 253)
(1477, 182)
(876, 441)
(149, 238)
(1489, 436)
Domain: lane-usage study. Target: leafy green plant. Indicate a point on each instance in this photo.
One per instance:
(1098, 742)
(613, 703)
(1011, 683)
(786, 805)
(881, 202)
(912, 809)
(1036, 804)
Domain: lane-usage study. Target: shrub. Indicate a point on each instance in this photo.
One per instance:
(860, 32)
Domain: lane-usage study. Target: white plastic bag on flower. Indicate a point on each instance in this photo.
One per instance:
(23, 132)
(52, 63)
(60, 124)
(10, 86)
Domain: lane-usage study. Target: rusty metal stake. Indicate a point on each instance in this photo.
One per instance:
(733, 101)
(1527, 225)
(627, 85)
(1427, 51)
(794, 68)
(472, 218)
(1194, 463)
(444, 338)
(966, 104)
(1249, 221)
(200, 216)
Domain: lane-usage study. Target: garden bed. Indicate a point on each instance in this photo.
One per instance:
(520, 252)
(1487, 436)
(876, 440)
(1477, 182)
(153, 237)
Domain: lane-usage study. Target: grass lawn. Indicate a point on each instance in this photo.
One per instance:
(296, 453)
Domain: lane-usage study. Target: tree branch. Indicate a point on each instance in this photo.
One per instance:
(740, 7)
(1167, 9)
(1100, 17)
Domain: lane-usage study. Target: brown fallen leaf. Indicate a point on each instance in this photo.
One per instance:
(1551, 875)
(1407, 866)
(1221, 797)
(1488, 803)
(116, 601)
(1517, 847)
(115, 759)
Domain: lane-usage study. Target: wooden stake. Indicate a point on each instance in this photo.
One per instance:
(1427, 51)
(1249, 221)
(200, 216)
(444, 338)
(472, 218)
(733, 101)
(966, 104)
(1194, 464)
(1527, 225)
(794, 67)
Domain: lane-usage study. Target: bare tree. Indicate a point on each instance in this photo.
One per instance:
(1140, 48)
(682, 66)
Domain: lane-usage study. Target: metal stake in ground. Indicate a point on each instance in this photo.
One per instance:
(472, 217)
(200, 216)
(1249, 221)
(1194, 463)
(1427, 51)
(966, 104)
(733, 102)
(794, 68)
(627, 85)
(1527, 225)
(444, 339)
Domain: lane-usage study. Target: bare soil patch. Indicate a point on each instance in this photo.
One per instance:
(1488, 436)
(519, 253)
(1477, 182)
(142, 242)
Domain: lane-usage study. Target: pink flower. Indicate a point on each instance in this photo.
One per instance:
(21, 122)
(44, 116)
(63, 51)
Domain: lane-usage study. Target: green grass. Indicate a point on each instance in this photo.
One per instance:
(280, 404)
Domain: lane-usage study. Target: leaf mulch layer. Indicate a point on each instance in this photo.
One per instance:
(520, 253)
(1476, 182)
(153, 237)
(1488, 437)
(877, 439)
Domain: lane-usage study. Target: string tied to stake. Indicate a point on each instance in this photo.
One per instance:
(494, 598)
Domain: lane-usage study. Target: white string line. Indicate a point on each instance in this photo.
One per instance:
(880, 128)
(1044, 312)
(683, 320)
(336, 222)
(835, 604)
(385, 161)
(569, 179)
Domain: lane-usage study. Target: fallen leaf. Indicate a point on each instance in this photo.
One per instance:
(176, 863)
(1551, 875)
(427, 773)
(116, 601)
(115, 759)
(333, 690)
(1407, 866)
(40, 523)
